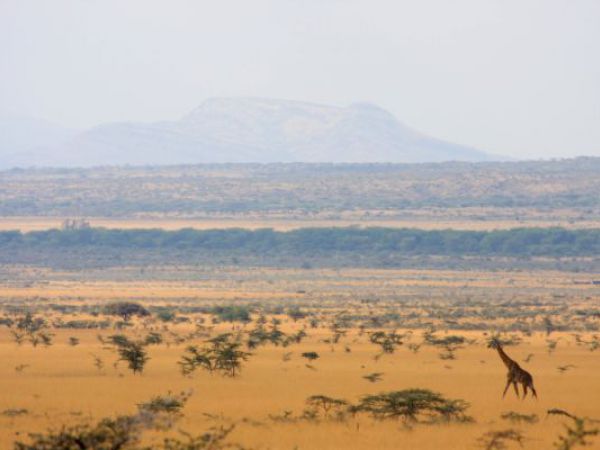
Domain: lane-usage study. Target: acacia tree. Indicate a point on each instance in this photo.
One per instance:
(222, 354)
(118, 433)
(133, 352)
(229, 357)
(387, 341)
(578, 434)
(261, 336)
(126, 310)
(127, 431)
(195, 358)
(412, 404)
(35, 329)
(327, 405)
(449, 343)
(135, 355)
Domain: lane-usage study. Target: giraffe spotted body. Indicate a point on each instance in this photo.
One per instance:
(516, 375)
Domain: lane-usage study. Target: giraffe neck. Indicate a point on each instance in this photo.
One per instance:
(505, 359)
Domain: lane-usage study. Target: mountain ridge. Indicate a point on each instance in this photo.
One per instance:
(249, 129)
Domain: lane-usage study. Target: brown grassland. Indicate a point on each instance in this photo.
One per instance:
(466, 219)
(551, 315)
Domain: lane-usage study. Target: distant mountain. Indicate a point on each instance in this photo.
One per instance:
(244, 130)
(26, 141)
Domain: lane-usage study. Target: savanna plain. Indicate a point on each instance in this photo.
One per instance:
(299, 306)
(309, 358)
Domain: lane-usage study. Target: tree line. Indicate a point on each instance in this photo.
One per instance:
(547, 242)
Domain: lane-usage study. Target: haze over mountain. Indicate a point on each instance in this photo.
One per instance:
(29, 141)
(235, 130)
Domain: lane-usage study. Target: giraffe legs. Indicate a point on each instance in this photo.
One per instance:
(506, 388)
(524, 391)
(516, 389)
(533, 390)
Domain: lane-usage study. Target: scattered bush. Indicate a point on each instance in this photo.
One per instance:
(577, 433)
(516, 417)
(311, 356)
(327, 406)
(125, 310)
(414, 405)
(387, 341)
(234, 313)
(131, 352)
(497, 440)
(222, 354)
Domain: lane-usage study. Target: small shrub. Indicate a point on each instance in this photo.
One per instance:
(515, 417)
(296, 313)
(126, 310)
(311, 356)
(232, 313)
(164, 410)
(109, 433)
(373, 377)
(497, 440)
(153, 338)
(166, 315)
(213, 439)
(15, 412)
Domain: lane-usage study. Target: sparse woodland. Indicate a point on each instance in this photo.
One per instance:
(485, 191)
(210, 358)
(362, 333)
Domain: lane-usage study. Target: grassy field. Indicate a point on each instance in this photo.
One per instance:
(60, 384)
(565, 220)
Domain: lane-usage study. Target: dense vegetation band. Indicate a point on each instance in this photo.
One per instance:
(550, 242)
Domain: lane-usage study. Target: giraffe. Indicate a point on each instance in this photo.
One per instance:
(515, 373)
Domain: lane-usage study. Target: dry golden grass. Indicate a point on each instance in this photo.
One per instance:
(60, 384)
(273, 283)
(26, 224)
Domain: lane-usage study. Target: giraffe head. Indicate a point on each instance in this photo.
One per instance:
(494, 342)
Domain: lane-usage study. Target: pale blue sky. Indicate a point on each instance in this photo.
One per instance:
(513, 77)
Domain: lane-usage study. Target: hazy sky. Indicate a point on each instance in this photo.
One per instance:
(518, 78)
